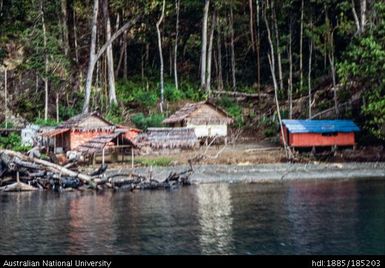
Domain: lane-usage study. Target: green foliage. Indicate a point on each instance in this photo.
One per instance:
(48, 123)
(133, 91)
(143, 122)
(171, 93)
(9, 125)
(13, 142)
(234, 109)
(160, 161)
(269, 125)
(114, 115)
(364, 61)
(68, 112)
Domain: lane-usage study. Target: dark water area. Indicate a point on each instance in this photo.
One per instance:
(297, 217)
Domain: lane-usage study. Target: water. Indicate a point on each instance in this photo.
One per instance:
(313, 217)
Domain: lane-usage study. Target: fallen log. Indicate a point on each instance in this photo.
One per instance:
(241, 94)
(51, 166)
(18, 187)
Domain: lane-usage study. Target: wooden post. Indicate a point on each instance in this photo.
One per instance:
(103, 157)
(132, 158)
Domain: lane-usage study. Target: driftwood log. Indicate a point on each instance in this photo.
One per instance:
(42, 174)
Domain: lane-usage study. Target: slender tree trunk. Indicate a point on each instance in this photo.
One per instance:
(219, 48)
(301, 49)
(363, 15)
(204, 44)
(333, 71)
(121, 55)
(356, 20)
(75, 38)
(6, 97)
(309, 75)
(95, 56)
(275, 84)
(177, 7)
(279, 58)
(258, 51)
(251, 25)
(110, 58)
(92, 59)
(161, 57)
(210, 53)
(170, 61)
(65, 26)
(57, 108)
(233, 67)
(290, 82)
(46, 62)
(125, 64)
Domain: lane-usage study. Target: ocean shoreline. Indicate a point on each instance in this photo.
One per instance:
(275, 172)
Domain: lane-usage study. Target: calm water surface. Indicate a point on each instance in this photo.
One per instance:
(313, 217)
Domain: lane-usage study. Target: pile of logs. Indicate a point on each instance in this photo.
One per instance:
(19, 172)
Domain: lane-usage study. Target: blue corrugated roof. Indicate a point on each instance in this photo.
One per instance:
(320, 126)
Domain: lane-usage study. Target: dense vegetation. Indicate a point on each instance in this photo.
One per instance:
(316, 56)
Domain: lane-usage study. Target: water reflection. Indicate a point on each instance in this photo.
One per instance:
(321, 215)
(90, 222)
(215, 218)
(329, 217)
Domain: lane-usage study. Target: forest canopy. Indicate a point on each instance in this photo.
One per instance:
(136, 60)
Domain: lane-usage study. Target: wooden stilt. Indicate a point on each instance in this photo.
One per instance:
(132, 158)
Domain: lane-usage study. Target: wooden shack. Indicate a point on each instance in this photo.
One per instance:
(317, 133)
(77, 131)
(207, 119)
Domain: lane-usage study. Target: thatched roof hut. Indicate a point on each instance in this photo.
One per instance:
(199, 113)
(207, 119)
(168, 138)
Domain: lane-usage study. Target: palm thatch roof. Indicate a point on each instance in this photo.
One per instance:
(97, 144)
(86, 121)
(168, 138)
(203, 112)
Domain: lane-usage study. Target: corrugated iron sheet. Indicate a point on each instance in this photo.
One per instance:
(320, 126)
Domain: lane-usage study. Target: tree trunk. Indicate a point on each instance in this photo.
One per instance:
(92, 59)
(75, 38)
(210, 53)
(110, 58)
(219, 48)
(333, 71)
(232, 50)
(279, 58)
(125, 64)
(46, 62)
(65, 26)
(275, 84)
(251, 25)
(301, 49)
(6, 97)
(57, 108)
(161, 57)
(356, 20)
(309, 75)
(258, 51)
(290, 82)
(363, 15)
(204, 44)
(177, 6)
